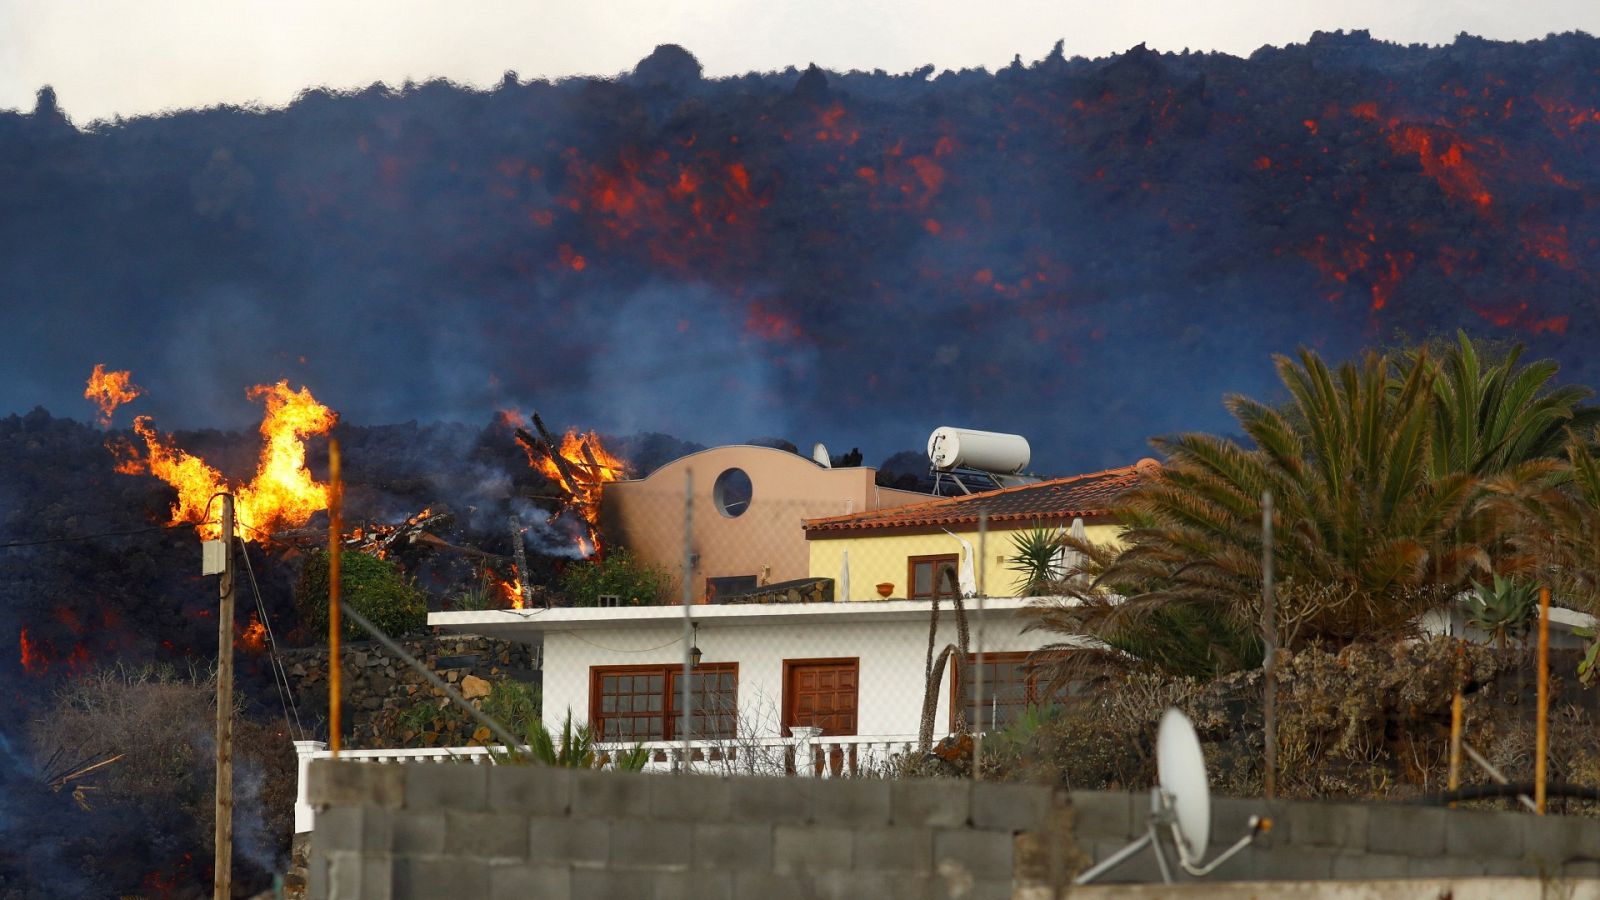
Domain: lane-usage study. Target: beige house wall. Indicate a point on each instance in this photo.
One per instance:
(885, 558)
(647, 515)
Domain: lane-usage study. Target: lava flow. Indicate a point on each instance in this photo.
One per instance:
(282, 493)
(110, 390)
(579, 465)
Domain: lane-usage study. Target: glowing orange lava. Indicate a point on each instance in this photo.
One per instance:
(281, 494)
(110, 390)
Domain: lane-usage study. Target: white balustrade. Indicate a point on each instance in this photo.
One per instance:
(836, 756)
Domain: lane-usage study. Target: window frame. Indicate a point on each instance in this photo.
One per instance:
(935, 558)
(1030, 683)
(669, 700)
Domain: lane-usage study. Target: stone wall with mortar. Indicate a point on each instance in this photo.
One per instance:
(379, 689)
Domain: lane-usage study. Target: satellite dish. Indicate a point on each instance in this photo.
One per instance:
(1181, 771)
(819, 455)
(1179, 804)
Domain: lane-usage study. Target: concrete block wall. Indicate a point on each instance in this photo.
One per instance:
(426, 831)
(1312, 841)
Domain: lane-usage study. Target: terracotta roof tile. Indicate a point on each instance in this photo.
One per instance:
(1086, 495)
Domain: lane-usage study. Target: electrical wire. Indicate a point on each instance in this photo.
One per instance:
(280, 676)
(103, 534)
(574, 634)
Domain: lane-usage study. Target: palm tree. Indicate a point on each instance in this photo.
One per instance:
(1489, 419)
(1368, 535)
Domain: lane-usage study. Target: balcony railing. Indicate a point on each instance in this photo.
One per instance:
(805, 754)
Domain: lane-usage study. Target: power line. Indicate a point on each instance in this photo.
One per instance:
(280, 677)
(103, 534)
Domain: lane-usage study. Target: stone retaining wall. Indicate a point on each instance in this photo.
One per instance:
(379, 688)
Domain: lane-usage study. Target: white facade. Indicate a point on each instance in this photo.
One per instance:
(889, 638)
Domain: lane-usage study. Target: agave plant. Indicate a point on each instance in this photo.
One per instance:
(1503, 609)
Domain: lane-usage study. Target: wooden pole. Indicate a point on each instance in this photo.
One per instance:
(1269, 648)
(335, 526)
(688, 614)
(222, 870)
(977, 655)
(1455, 724)
(1541, 750)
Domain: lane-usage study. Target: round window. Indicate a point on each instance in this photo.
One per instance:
(731, 493)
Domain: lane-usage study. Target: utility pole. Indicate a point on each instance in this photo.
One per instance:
(1269, 647)
(222, 880)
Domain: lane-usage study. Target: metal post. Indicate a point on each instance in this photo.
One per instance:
(688, 615)
(1269, 647)
(335, 662)
(222, 878)
(1456, 723)
(977, 650)
(1541, 750)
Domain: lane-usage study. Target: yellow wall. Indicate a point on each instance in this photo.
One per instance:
(883, 558)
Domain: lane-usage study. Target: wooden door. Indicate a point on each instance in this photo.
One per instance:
(822, 693)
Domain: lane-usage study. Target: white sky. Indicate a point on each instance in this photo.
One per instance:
(107, 57)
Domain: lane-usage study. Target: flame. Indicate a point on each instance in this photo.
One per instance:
(252, 638)
(282, 493)
(591, 466)
(510, 591)
(110, 390)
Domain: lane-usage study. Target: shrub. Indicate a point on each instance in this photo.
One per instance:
(621, 573)
(513, 704)
(375, 587)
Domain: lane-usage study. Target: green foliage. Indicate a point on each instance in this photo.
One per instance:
(1489, 418)
(637, 582)
(375, 587)
(576, 749)
(513, 704)
(475, 599)
(1033, 557)
(1503, 609)
(1395, 481)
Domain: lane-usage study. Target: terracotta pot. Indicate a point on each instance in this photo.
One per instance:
(885, 589)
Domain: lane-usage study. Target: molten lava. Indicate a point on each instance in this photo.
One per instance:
(110, 390)
(281, 494)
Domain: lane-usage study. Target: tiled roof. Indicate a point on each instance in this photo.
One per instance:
(1061, 498)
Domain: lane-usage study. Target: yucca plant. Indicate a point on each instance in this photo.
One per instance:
(576, 749)
(1033, 557)
(1503, 609)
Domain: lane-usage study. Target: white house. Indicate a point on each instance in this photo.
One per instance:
(854, 671)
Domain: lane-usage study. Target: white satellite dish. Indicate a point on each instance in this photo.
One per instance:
(819, 455)
(1181, 804)
(1181, 771)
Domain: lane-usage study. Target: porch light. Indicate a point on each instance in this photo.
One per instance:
(694, 646)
